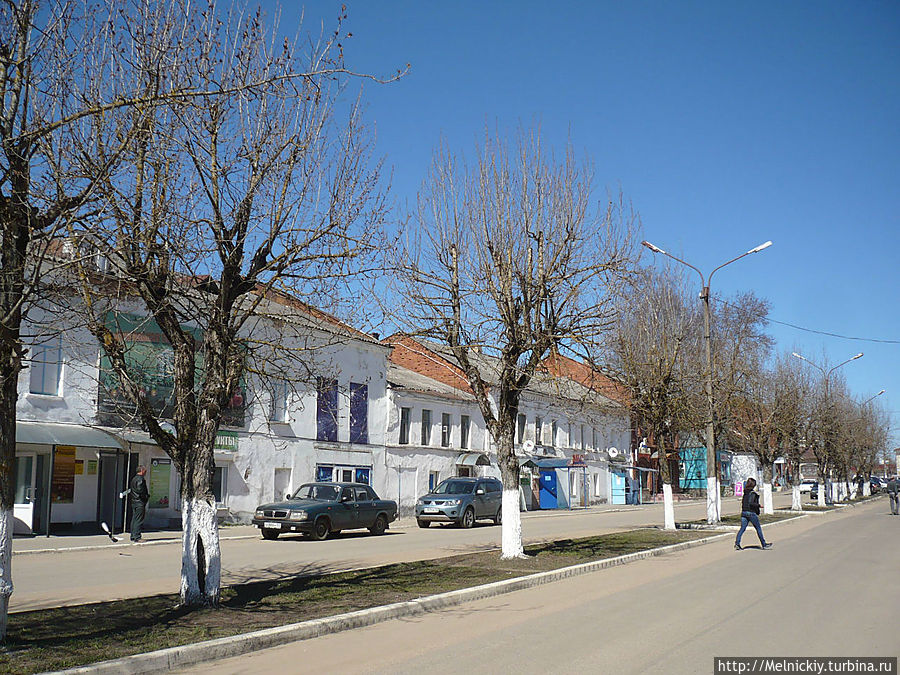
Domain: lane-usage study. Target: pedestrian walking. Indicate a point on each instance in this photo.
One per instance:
(750, 514)
(140, 495)
(893, 490)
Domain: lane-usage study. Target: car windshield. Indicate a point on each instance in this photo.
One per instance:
(322, 493)
(454, 487)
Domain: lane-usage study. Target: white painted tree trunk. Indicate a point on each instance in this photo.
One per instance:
(835, 492)
(820, 500)
(796, 499)
(767, 499)
(511, 527)
(200, 572)
(668, 508)
(867, 489)
(6, 553)
(713, 501)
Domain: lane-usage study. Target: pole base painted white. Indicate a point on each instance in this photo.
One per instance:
(511, 527)
(796, 499)
(713, 501)
(767, 499)
(198, 523)
(6, 554)
(668, 508)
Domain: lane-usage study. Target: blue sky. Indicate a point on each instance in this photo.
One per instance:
(726, 124)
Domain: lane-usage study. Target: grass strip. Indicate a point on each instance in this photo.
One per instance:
(53, 639)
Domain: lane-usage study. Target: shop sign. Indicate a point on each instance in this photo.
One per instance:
(62, 489)
(160, 474)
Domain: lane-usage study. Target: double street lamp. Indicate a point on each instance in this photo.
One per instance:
(826, 377)
(713, 497)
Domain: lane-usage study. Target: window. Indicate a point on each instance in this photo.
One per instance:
(464, 424)
(324, 474)
(520, 429)
(538, 431)
(46, 365)
(359, 413)
(434, 477)
(553, 433)
(593, 438)
(404, 425)
(581, 438)
(326, 409)
(347, 494)
(220, 480)
(445, 430)
(278, 409)
(426, 427)
(362, 476)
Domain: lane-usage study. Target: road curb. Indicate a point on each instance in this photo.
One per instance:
(99, 547)
(178, 657)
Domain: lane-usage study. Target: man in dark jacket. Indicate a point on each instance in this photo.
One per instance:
(750, 514)
(140, 495)
(893, 490)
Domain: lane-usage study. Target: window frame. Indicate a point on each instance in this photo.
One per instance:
(39, 364)
(425, 430)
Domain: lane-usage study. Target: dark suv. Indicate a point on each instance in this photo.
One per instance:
(461, 501)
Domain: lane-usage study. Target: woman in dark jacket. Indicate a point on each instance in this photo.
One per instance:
(750, 514)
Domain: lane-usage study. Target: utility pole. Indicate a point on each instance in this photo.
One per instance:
(713, 493)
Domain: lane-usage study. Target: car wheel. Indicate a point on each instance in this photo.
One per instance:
(270, 534)
(498, 519)
(321, 529)
(423, 523)
(468, 518)
(380, 525)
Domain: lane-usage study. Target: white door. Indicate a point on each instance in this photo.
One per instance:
(282, 483)
(23, 504)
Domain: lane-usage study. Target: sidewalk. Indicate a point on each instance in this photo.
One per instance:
(23, 545)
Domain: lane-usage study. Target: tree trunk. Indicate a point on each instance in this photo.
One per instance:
(796, 499)
(665, 475)
(867, 488)
(511, 526)
(820, 501)
(8, 397)
(713, 500)
(6, 584)
(767, 488)
(201, 563)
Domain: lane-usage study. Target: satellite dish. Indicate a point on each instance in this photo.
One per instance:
(528, 446)
(612, 452)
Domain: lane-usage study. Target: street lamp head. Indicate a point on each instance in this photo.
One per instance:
(655, 249)
(798, 356)
(760, 247)
(857, 356)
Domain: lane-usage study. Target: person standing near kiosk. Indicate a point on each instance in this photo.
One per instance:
(140, 495)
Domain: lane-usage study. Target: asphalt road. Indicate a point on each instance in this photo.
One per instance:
(114, 572)
(829, 587)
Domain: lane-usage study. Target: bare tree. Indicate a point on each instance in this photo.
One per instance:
(767, 419)
(510, 256)
(653, 354)
(60, 67)
(229, 215)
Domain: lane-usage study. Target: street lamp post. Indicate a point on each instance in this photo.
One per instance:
(867, 488)
(826, 376)
(713, 494)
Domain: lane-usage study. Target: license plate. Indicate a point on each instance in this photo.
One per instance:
(272, 526)
(430, 511)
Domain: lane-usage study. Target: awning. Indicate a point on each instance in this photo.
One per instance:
(52, 433)
(473, 459)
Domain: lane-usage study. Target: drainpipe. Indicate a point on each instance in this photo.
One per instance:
(50, 488)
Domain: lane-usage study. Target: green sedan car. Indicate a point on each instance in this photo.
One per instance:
(318, 510)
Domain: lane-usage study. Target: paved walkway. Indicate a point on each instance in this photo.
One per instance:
(66, 541)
